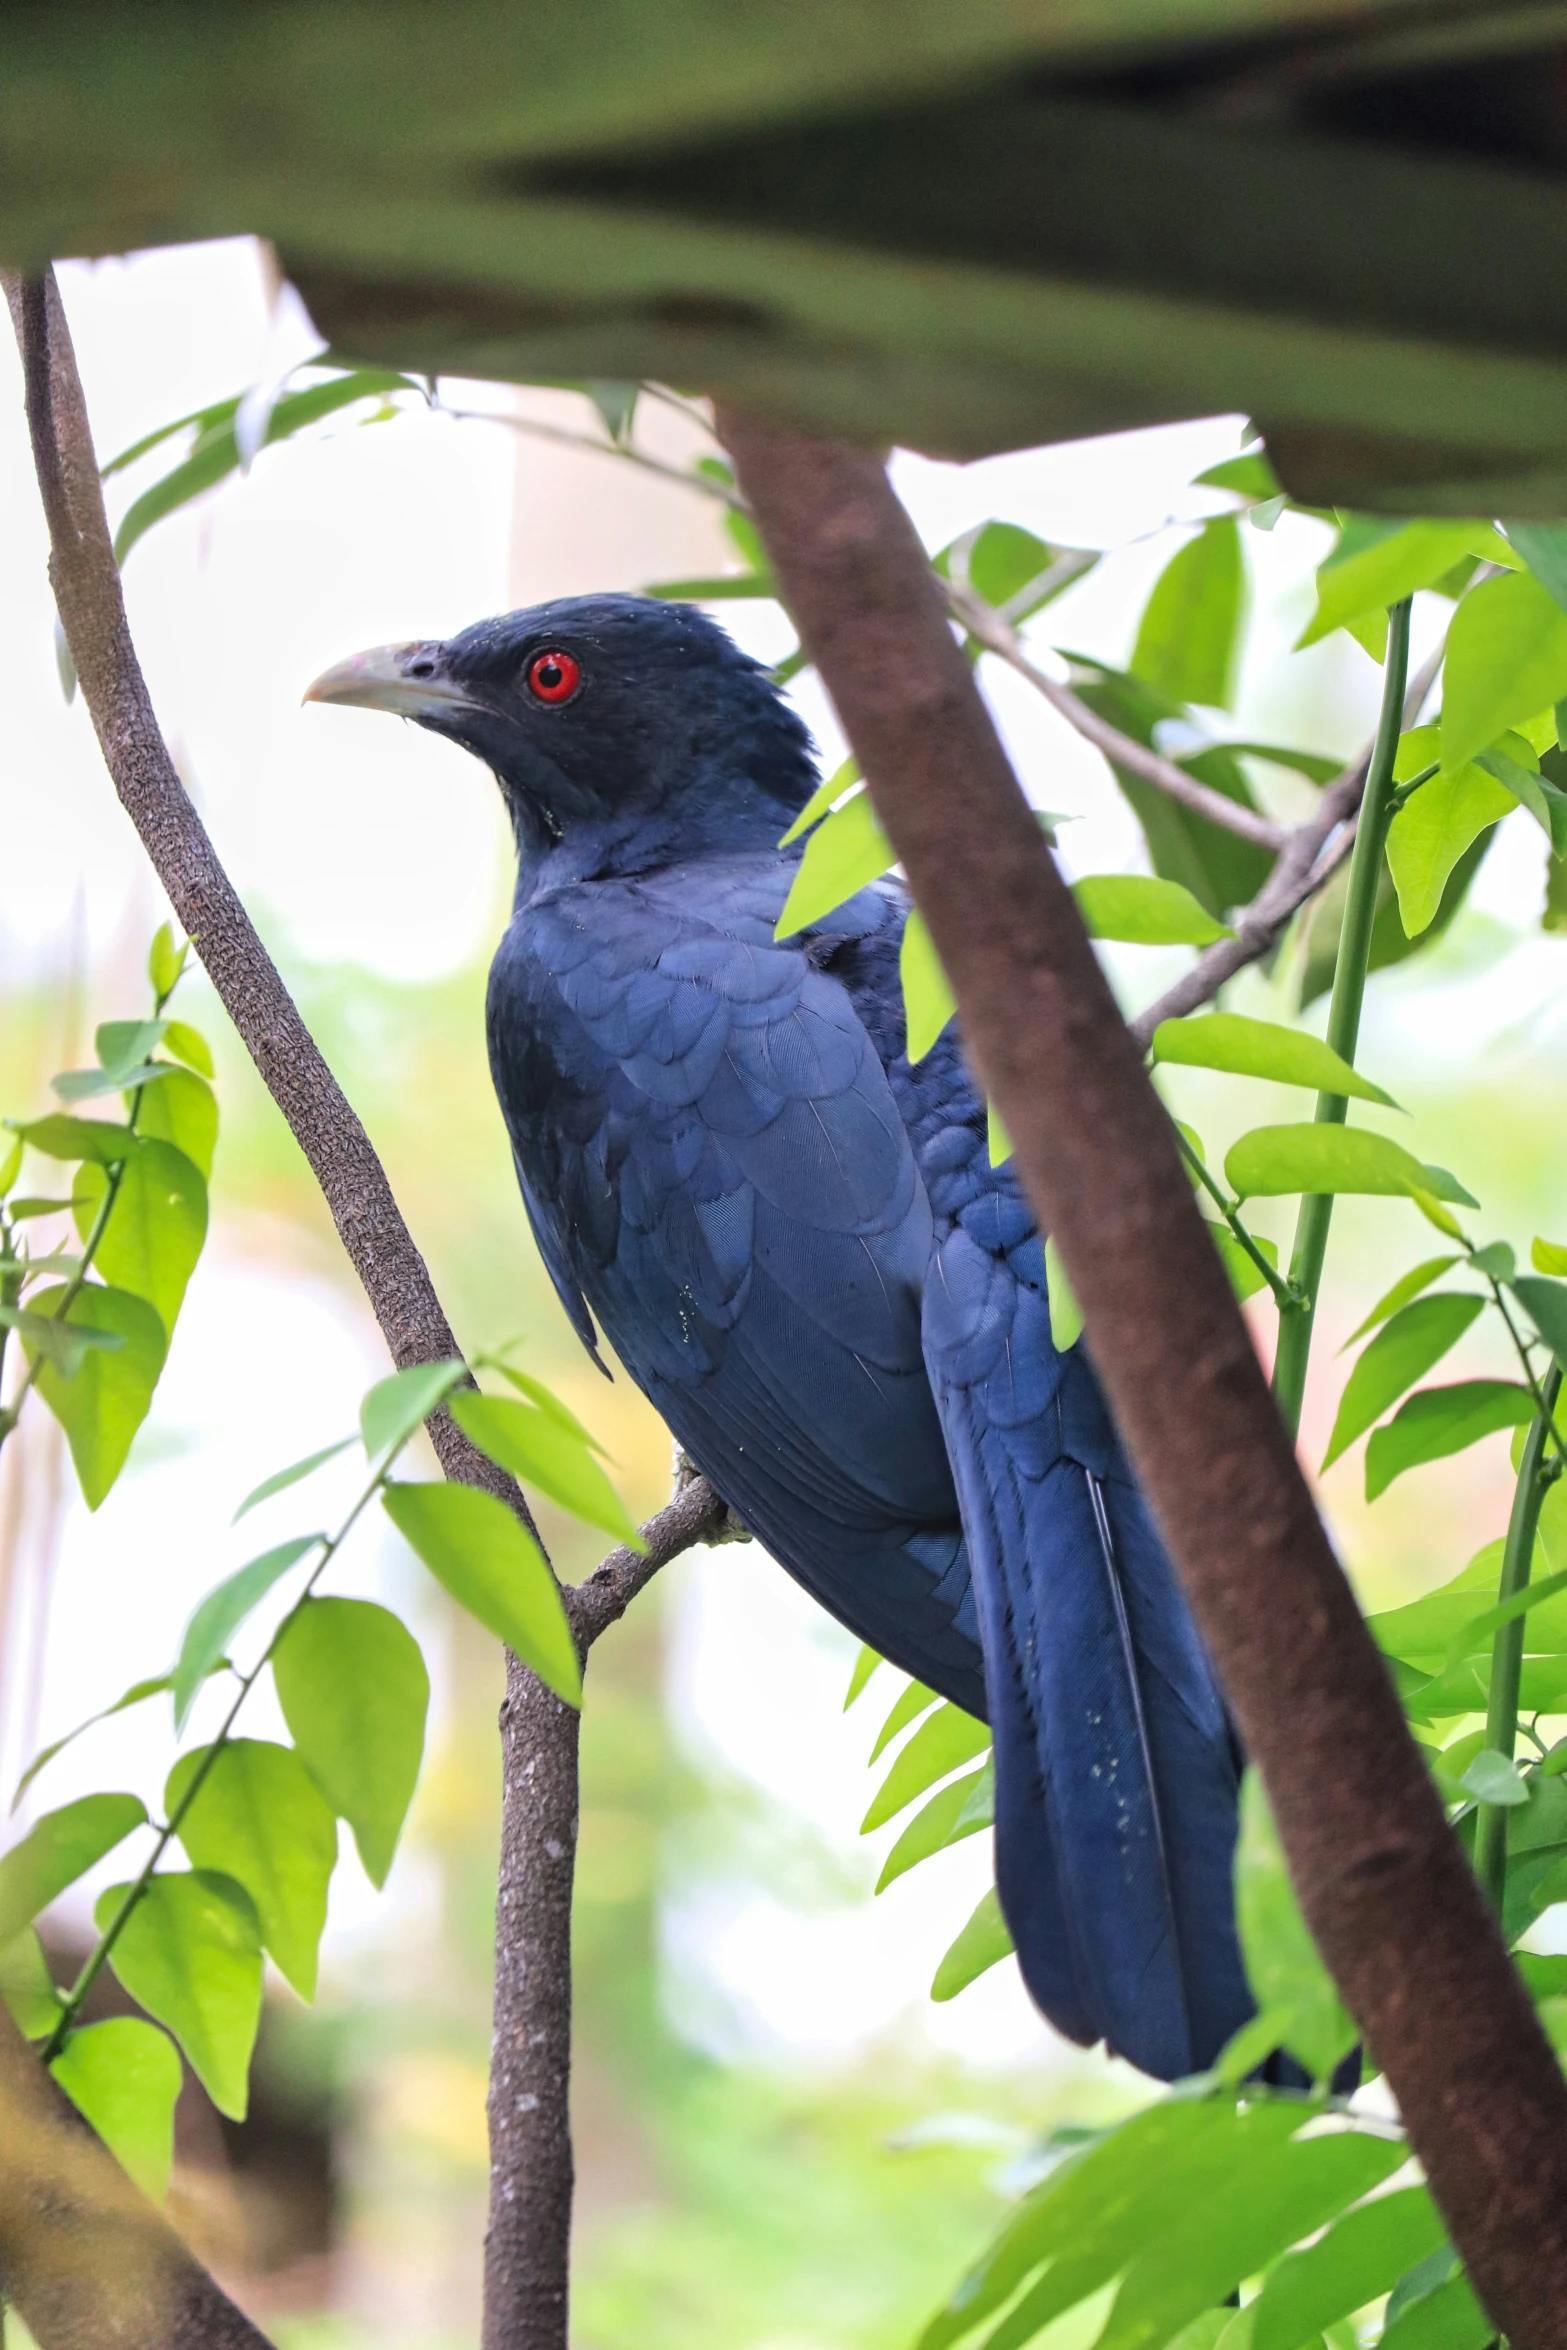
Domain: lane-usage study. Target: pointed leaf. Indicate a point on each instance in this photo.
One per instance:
(928, 1001)
(1189, 635)
(165, 960)
(983, 1943)
(1361, 2257)
(847, 851)
(1545, 1302)
(1448, 2319)
(939, 1745)
(187, 1044)
(1547, 1256)
(137, 1694)
(395, 1407)
(540, 1451)
(1282, 1965)
(1506, 659)
(1378, 561)
(1261, 1048)
(1144, 912)
(1432, 831)
(1407, 1286)
(354, 1693)
(864, 1665)
(156, 1227)
(59, 1137)
(480, 1551)
(941, 1822)
(914, 1701)
(1412, 1343)
(259, 1817)
(1437, 1421)
(220, 1615)
(1274, 1161)
(821, 800)
(58, 1849)
(282, 1479)
(105, 1402)
(190, 1954)
(546, 1399)
(1066, 1315)
(124, 2076)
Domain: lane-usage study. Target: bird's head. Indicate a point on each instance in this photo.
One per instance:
(598, 713)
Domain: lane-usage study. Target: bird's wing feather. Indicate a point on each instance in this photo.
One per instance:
(712, 1156)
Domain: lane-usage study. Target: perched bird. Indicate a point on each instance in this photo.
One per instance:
(796, 1244)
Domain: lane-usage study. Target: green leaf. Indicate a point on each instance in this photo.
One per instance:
(864, 1665)
(1543, 546)
(928, 1001)
(354, 1694)
(182, 1110)
(137, 1694)
(395, 1407)
(156, 1227)
(1546, 1256)
(1448, 2319)
(1432, 831)
(846, 852)
(1190, 631)
(998, 1143)
(1281, 1960)
(1218, 868)
(933, 1828)
(58, 1849)
(1012, 570)
(540, 1451)
(1379, 561)
(983, 1943)
(616, 404)
(1316, 766)
(481, 1553)
(216, 452)
(10, 1166)
(1506, 659)
(1066, 1315)
(220, 1615)
(1414, 1340)
(1437, 1421)
(1545, 1303)
(821, 800)
(1407, 1286)
(1476, 1632)
(1536, 1852)
(1249, 476)
(81, 1085)
(742, 587)
(1361, 2257)
(915, 1700)
(165, 960)
(1261, 1048)
(59, 1137)
(1492, 1778)
(1145, 912)
(104, 1404)
(1423, 1632)
(939, 1745)
(1528, 788)
(187, 1044)
(26, 1986)
(1246, 1278)
(282, 1479)
(1274, 1161)
(190, 1954)
(124, 2077)
(62, 1344)
(258, 1816)
(546, 1399)
(219, 413)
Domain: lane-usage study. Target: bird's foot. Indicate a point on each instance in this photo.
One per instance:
(730, 1527)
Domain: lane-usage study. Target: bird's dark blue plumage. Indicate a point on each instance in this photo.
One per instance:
(794, 1241)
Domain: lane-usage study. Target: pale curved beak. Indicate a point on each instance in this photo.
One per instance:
(404, 679)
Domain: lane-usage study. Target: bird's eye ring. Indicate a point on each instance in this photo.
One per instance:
(554, 676)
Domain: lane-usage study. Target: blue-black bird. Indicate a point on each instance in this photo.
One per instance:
(795, 1243)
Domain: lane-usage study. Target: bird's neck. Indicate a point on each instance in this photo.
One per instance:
(640, 841)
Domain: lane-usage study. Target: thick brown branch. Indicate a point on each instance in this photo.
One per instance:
(83, 2255)
(532, 2168)
(990, 630)
(1389, 1896)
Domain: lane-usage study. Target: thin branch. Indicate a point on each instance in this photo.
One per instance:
(1387, 1892)
(564, 439)
(990, 630)
(526, 2272)
(1315, 851)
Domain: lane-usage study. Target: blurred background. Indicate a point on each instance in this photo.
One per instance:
(782, 2143)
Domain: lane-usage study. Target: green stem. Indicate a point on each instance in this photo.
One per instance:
(1349, 989)
(72, 2005)
(1501, 1716)
(1283, 1295)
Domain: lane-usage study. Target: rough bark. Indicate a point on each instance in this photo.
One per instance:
(1388, 1893)
(526, 2298)
(83, 2255)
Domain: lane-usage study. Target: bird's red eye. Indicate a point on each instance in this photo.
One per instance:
(554, 676)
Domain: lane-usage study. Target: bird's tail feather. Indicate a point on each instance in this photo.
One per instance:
(1116, 1770)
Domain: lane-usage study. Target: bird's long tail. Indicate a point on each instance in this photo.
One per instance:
(1116, 1766)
